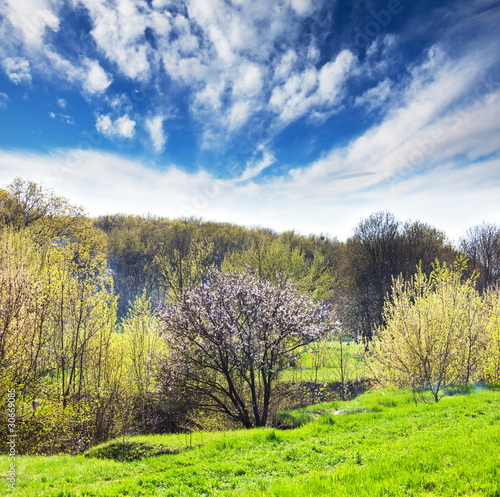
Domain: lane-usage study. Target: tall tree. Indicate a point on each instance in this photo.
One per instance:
(27, 204)
(144, 348)
(25, 309)
(481, 244)
(381, 249)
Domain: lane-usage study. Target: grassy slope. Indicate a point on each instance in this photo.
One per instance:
(380, 445)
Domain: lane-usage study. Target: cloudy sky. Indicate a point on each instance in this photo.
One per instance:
(289, 114)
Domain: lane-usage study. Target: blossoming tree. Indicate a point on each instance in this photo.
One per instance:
(232, 338)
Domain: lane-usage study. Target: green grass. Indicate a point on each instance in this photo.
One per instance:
(379, 444)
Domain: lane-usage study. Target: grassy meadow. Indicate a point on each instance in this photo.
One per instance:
(380, 444)
(319, 362)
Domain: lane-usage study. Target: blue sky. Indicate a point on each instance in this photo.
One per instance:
(289, 114)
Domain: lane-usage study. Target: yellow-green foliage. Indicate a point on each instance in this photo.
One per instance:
(492, 352)
(436, 331)
(143, 344)
(57, 339)
(269, 258)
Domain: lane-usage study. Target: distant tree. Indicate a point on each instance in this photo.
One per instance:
(481, 245)
(434, 334)
(147, 254)
(290, 255)
(230, 340)
(182, 268)
(372, 257)
(423, 244)
(381, 249)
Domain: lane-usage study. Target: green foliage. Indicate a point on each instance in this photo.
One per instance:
(57, 323)
(85, 366)
(378, 445)
(285, 255)
(143, 344)
(182, 269)
(25, 203)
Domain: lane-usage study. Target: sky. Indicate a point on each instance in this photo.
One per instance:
(288, 114)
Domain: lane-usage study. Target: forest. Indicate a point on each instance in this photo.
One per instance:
(136, 325)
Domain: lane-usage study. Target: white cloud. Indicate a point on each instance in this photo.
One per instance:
(62, 117)
(286, 65)
(4, 99)
(17, 69)
(312, 89)
(424, 128)
(376, 96)
(62, 103)
(254, 168)
(123, 127)
(333, 75)
(156, 133)
(96, 78)
(31, 18)
(449, 197)
(159, 4)
(53, 65)
(238, 115)
(118, 30)
(249, 81)
(380, 55)
(301, 7)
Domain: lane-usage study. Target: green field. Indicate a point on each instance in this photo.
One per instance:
(319, 362)
(380, 444)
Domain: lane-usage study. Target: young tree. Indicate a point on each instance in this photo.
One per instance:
(144, 347)
(24, 309)
(434, 334)
(83, 307)
(491, 361)
(231, 339)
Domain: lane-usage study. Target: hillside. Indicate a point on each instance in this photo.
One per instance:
(380, 444)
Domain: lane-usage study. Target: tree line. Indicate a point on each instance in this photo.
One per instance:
(355, 275)
(126, 323)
